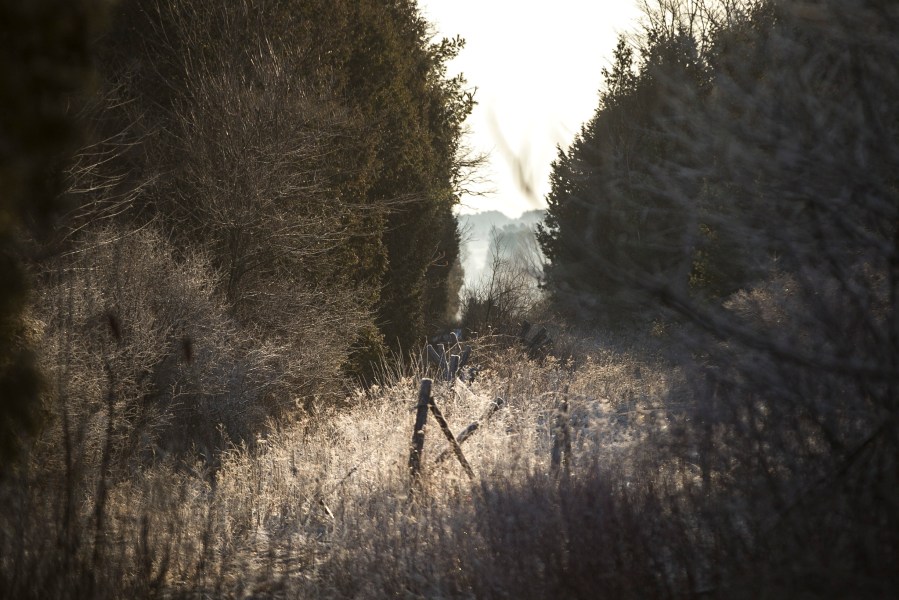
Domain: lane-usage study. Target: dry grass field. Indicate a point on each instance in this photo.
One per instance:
(320, 505)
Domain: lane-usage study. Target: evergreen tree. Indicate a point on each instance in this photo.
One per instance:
(606, 227)
(305, 144)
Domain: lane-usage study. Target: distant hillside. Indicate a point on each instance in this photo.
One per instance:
(476, 237)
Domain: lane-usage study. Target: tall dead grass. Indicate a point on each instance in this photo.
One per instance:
(320, 505)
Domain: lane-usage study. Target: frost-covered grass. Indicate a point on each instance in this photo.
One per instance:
(320, 504)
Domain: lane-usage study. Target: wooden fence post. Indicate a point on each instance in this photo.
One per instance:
(561, 452)
(449, 365)
(418, 432)
(453, 368)
(463, 358)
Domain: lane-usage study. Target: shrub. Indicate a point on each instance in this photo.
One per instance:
(130, 331)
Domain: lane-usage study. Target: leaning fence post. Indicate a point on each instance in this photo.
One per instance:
(418, 432)
(457, 450)
(468, 431)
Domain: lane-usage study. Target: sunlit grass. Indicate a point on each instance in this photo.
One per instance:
(320, 503)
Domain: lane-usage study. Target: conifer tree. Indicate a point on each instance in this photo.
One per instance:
(605, 224)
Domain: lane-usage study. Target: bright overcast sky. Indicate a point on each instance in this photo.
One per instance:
(537, 70)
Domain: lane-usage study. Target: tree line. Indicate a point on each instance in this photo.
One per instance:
(731, 140)
(736, 193)
(250, 202)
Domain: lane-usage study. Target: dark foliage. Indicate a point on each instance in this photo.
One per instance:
(44, 64)
(769, 194)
